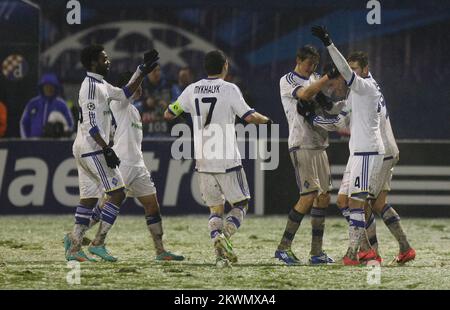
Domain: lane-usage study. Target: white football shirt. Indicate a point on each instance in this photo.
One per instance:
(214, 105)
(95, 116)
(365, 100)
(128, 133)
(301, 134)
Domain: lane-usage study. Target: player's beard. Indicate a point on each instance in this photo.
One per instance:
(103, 70)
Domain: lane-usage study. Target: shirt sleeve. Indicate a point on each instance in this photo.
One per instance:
(362, 86)
(116, 93)
(289, 87)
(332, 123)
(238, 104)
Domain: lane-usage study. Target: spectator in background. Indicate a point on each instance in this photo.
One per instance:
(155, 100)
(3, 119)
(185, 77)
(46, 115)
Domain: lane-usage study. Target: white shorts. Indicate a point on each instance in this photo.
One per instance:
(361, 175)
(383, 181)
(230, 186)
(312, 170)
(95, 177)
(343, 189)
(138, 181)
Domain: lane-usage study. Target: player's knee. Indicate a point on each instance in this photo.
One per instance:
(323, 200)
(150, 203)
(89, 202)
(342, 201)
(216, 210)
(305, 202)
(377, 207)
(242, 204)
(117, 196)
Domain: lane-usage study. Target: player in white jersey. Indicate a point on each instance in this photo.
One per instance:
(378, 195)
(136, 177)
(214, 104)
(307, 147)
(97, 163)
(366, 175)
(366, 145)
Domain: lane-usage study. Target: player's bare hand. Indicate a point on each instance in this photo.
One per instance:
(321, 33)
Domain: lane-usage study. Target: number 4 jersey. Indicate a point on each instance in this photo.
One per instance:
(213, 105)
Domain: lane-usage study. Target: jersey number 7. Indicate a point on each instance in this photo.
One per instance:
(212, 101)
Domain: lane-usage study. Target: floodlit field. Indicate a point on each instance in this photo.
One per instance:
(31, 256)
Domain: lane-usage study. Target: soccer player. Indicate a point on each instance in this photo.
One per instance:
(213, 104)
(366, 145)
(97, 163)
(307, 147)
(378, 193)
(136, 177)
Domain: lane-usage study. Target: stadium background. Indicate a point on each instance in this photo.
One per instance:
(408, 55)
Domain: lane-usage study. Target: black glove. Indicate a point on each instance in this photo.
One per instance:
(323, 101)
(111, 158)
(322, 33)
(150, 61)
(305, 109)
(331, 71)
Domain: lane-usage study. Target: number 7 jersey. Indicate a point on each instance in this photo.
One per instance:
(214, 105)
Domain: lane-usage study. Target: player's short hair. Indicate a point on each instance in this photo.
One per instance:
(360, 57)
(214, 62)
(90, 54)
(308, 51)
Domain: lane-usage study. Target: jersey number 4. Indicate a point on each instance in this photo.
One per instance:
(357, 182)
(212, 101)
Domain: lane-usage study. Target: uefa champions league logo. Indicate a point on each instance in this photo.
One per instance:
(125, 42)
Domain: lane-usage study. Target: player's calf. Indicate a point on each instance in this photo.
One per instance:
(235, 218)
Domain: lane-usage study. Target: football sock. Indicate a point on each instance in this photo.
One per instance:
(108, 217)
(318, 225)
(154, 224)
(82, 218)
(356, 231)
(392, 221)
(346, 213)
(371, 230)
(292, 225)
(96, 215)
(234, 219)
(215, 225)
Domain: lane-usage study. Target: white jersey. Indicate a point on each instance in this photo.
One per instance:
(95, 115)
(365, 102)
(343, 121)
(214, 105)
(301, 134)
(387, 135)
(128, 133)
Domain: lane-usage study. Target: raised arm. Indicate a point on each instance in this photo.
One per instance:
(339, 60)
(308, 92)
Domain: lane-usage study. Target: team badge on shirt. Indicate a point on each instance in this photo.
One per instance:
(91, 106)
(306, 184)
